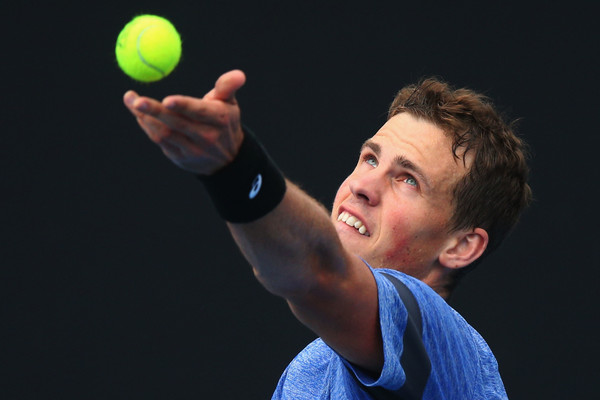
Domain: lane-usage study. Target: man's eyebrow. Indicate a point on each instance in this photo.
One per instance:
(409, 165)
(373, 146)
(400, 161)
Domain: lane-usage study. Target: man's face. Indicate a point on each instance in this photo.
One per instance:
(400, 192)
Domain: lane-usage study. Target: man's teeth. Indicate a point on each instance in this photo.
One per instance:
(353, 221)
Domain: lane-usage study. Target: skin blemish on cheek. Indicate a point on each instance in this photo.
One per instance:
(401, 247)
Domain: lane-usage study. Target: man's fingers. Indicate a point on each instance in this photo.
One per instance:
(227, 85)
(174, 119)
(149, 106)
(163, 135)
(141, 105)
(200, 110)
(129, 98)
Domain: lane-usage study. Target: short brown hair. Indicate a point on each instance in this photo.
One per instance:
(494, 191)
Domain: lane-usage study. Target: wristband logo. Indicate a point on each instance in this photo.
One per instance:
(256, 185)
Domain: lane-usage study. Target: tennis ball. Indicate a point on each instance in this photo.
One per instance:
(148, 48)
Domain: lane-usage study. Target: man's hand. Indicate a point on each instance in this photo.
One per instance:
(198, 135)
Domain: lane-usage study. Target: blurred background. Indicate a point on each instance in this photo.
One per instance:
(119, 281)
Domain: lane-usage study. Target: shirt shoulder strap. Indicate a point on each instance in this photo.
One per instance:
(414, 358)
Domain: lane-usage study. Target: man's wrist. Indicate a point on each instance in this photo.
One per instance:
(249, 187)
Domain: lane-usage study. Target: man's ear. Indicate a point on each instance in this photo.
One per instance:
(465, 248)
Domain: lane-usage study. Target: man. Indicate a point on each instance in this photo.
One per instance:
(433, 191)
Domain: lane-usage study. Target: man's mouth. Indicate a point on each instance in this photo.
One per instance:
(351, 220)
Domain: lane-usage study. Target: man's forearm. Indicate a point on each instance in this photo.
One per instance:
(296, 254)
(293, 247)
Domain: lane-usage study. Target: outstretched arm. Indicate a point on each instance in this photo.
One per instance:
(294, 249)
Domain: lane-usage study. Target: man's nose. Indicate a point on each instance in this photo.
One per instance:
(367, 186)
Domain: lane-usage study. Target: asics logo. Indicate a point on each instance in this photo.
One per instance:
(256, 185)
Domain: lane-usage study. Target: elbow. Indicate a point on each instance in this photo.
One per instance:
(301, 285)
(282, 286)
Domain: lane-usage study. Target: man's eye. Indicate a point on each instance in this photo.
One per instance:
(411, 181)
(371, 161)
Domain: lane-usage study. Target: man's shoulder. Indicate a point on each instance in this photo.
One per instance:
(423, 293)
(317, 372)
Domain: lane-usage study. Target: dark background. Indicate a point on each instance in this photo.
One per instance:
(118, 280)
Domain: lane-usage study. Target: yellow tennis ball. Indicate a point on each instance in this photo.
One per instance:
(148, 48)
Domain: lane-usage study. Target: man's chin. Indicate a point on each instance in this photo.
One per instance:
(353, 244)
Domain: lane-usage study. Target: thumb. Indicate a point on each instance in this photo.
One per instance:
(227, 85)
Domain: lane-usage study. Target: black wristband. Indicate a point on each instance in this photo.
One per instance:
(247, 188)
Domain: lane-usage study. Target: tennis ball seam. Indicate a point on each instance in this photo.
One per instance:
(139, 51)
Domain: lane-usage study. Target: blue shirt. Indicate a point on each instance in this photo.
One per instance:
(462, 364)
